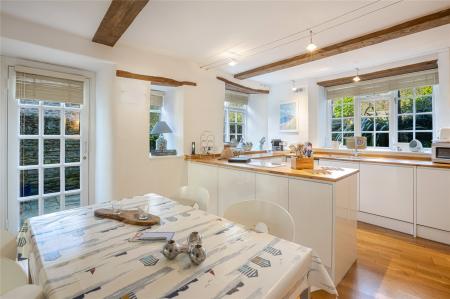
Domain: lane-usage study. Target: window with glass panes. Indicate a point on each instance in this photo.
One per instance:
(415, 115)
(235, 121)
(49, 157)
(376, 116)
(375, 111)
(342, 118)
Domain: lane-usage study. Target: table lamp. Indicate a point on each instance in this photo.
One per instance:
(160, 128)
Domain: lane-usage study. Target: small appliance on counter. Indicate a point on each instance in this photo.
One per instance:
(441, 147)
(415, 146)
(355, 143)
(277, 145)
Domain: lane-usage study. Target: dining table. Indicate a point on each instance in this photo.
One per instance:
(74, 254)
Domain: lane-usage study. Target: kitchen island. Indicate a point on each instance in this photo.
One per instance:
(322, 201)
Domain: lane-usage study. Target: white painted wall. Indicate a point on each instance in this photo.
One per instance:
(257, 124)
(104, 132)
(281, 93)
(172, 113)
(443, 101)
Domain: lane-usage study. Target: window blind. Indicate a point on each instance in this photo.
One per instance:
(236, 98)
(46, 88)
(429, 77)
(156, 99)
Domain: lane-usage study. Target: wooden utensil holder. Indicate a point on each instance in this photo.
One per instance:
(302, 163)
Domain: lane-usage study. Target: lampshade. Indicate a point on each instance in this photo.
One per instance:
(160, 128)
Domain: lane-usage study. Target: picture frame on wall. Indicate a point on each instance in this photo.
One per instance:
(288, 116)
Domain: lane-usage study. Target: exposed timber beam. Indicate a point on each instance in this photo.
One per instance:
(161, 81)
(406, 69)
(229, 85)
(118, 17)
(406, 28)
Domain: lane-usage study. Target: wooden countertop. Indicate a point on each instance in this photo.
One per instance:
(400, 160)
(328, 174)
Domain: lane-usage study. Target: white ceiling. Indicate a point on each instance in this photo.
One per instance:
(209, 31)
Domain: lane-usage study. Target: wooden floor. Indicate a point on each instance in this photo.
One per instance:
(395, 265)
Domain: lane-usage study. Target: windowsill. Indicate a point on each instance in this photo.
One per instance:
(424, 153)
(178, 156)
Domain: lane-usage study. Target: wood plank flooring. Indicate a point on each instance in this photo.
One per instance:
(395, 265)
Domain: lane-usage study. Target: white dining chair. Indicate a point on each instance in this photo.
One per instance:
(191, 195)
(12, 275)
(29, 291)
(259, 214)
(8, 245)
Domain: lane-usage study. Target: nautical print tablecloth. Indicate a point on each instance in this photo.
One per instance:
(74, 254)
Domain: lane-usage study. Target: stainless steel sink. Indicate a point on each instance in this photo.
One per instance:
(268, 164)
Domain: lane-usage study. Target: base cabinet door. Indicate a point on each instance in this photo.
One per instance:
(433, 198)
(205, 176)
(235, 186)
(311, 206)
(272, 188)
(344, 164)
(387, 190)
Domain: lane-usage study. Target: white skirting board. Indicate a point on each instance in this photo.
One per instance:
(437, 235)
(401, 226)
(425, 232)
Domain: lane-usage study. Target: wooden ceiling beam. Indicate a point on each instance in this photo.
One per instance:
(413, 26)
(232, 86)
(406, 69)
(161, 81)
(118, 17)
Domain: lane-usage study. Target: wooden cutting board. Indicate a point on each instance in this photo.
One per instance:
(127, 216)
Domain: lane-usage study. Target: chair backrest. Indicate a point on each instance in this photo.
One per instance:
(12, 275)
(251, 212)
(8, 245)
(191, 195)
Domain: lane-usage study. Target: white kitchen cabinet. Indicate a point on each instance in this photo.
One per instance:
(387, 190)
(234, 186)
(343, 164)
(433, 198)
(311, 206)
(325, 220)
(272, 188)
(207, 177)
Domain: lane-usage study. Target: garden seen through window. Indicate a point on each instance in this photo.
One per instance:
(385, 118)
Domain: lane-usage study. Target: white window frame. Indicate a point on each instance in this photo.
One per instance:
(87, 145)
(393, 118)
(227, 133)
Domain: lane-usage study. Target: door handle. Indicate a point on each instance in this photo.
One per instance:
(85, 150)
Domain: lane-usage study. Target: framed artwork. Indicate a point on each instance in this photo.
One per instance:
(288, 116)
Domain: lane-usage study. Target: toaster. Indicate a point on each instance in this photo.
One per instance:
(444, 134)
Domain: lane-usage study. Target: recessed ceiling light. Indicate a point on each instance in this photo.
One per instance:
(232, 62)
(357, 78)
(311, 47)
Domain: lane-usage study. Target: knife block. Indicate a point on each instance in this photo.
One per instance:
(302, 163)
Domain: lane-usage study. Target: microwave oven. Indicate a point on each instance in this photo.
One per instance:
(441, 151)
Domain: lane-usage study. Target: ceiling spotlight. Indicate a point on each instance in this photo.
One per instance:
(357, 78)
(232, 62)
(311, 47)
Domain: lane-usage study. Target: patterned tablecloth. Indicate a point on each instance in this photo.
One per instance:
(74, 254)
